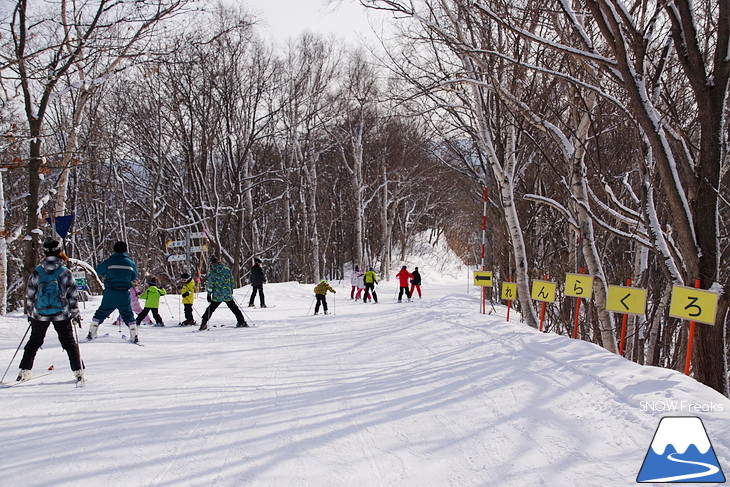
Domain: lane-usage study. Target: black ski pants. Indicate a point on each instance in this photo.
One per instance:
(231, 305)
(188, 312)
(155, 313)
(260, 290)
(402, 290)
(65, 332)
(370, 290)
(321, 299)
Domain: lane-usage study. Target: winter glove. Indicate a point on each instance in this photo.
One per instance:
(76, 321)
(186, 294)
(209, 298)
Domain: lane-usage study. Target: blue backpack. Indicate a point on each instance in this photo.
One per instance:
(49, 300)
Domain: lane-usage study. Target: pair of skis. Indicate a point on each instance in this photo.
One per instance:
(5, 385)
(123, 337)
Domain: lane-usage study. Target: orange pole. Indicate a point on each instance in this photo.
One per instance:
(688, 360)
(542, 309)
(577, 312)
(623, 326)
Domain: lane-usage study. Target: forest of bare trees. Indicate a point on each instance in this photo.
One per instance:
(598, 126)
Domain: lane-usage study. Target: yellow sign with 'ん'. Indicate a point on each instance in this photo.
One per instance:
(543, 291)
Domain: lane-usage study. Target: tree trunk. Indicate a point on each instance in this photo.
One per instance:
(33, 233)
(3, 251)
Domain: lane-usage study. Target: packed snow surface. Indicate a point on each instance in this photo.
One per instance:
(429, 393)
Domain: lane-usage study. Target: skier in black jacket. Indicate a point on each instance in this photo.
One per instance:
(257, 283)
(416, 282)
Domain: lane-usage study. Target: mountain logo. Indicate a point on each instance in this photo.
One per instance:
(681, 452)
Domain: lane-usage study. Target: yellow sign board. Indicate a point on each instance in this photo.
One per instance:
(483, 278)
(543, 291)
(693, 304)
(626, 300)
(509, 291)
(579, 286)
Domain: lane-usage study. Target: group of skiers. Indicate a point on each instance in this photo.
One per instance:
(52, 297)
(363, 284)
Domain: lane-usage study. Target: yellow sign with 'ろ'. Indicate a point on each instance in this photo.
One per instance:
(579, 286)
(693, 304)
(626, 300)
(543, 291)
(483, 278)
(509, 291)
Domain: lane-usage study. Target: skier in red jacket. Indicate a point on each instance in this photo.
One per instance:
(404, 277)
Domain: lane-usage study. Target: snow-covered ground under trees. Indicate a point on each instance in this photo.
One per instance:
(429, 393)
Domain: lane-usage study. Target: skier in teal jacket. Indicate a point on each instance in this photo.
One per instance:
(119, 273)
(220, 290)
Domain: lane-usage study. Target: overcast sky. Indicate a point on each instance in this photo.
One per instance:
(283, 19)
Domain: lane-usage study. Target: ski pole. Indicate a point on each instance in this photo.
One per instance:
(16, 353)
(334, 304)
(74, 322)
(311, 304)
(169, 308)
(243, 312)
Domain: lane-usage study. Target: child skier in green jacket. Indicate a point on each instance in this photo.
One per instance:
(151, 297)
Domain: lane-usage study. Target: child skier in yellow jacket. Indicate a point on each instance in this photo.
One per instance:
(320, 292)
(188, 296)
(151, 297)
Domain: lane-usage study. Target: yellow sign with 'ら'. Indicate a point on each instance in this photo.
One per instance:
(543, 291)
(579, 286)
(509, 291)
(693, 304)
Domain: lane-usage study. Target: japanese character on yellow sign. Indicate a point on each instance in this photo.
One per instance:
(509, 291)
(543, 291)
(693, 304)
(626, 300)
(483, 278)
(579, 286)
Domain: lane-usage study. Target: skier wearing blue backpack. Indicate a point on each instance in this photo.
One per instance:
(52, 297)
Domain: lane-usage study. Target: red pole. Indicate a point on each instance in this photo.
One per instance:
(688, 360)
(623, 326)
(509, 302)
(542, 310)
(577, 312)
(484, 244)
